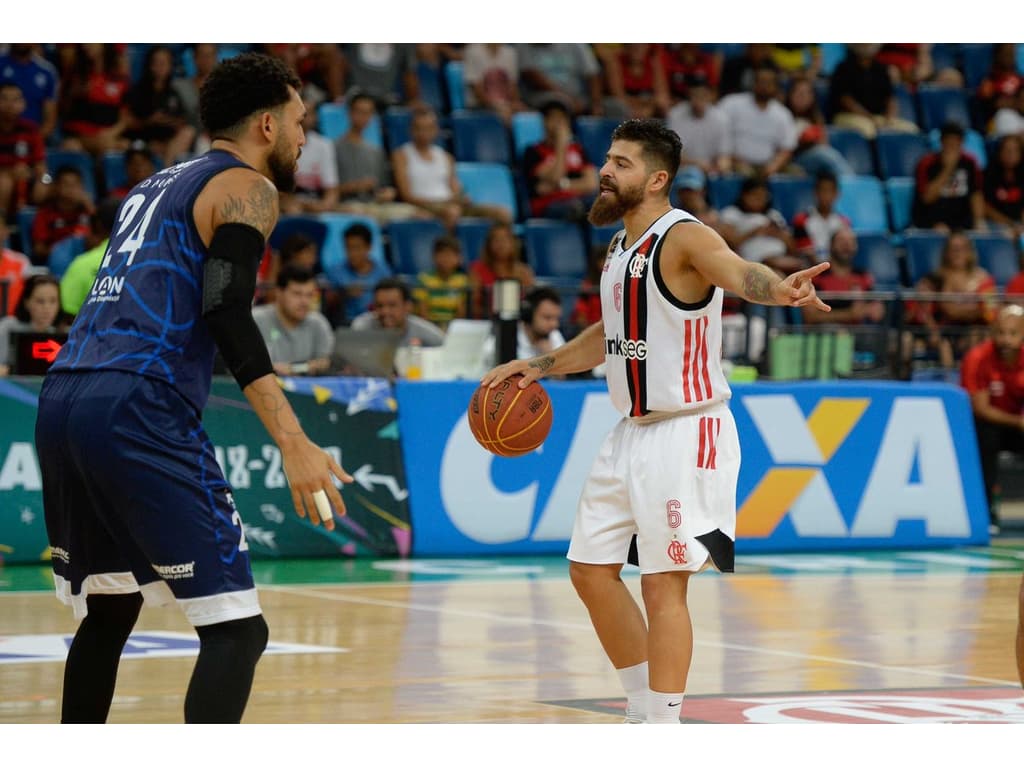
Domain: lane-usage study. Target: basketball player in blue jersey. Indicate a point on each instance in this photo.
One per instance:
(667, 472)
(136, 505)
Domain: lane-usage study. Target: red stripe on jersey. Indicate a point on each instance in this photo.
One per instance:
(713, 429)
(704, 357)
(702, 445)
(699, 361)
(687, 331)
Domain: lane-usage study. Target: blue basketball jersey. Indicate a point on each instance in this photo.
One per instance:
(144, 312)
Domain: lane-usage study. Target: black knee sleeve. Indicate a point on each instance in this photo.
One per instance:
(223, 675)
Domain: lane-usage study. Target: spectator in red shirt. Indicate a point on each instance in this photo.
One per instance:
(1004, 185)
(65, 212)
(561, 178)
(94, 112)
(12, 272)
(22, 153)
(842, 276)
(993, 375)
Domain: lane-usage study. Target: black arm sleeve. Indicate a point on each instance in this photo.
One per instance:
(229, 282)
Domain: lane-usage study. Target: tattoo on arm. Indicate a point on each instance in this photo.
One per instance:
(757, 283)
(258, 208)
(543, 364)
(277, 407)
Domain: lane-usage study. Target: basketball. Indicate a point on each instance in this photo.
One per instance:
(507, 420)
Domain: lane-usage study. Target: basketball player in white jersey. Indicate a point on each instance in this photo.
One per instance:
(667, 472)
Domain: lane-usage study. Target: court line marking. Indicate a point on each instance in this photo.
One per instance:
(505, 619)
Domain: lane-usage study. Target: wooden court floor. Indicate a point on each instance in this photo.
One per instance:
(924, 636)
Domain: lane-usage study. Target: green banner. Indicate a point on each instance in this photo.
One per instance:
(353, 419)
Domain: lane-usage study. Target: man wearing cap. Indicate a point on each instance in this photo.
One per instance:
(703, 127)
(562, 180)
(948, 194)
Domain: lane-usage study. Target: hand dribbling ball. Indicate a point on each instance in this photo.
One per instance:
(507, 420)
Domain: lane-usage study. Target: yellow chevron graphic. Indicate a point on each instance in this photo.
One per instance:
(769, 502)
(832, 421)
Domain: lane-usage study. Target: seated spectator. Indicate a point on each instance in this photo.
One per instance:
(94, 115)
(78, 278)
(138, 166)
(797, 59)
(64, 212)
(738, 71)
(204, 58)
(948, 190)
(587, 309)
(950, 325)
(392, 308)
(568, 72)
(538, 332)
(636, 77)
(298, 338)
(692, 195)
(22, 154)
(157, 111)
(992, 373)
(384, 71)
(763, 132)
(316, 173)
(13, 265)
(1009, 118)
(500, 259)
(686, 63)
(843, 277)
(861, 94)
(318, 65)
(442, 295)
(813, 153)
(1001, 85)
(38, 80)
(561, 179)
(38, 309)
(1004, 186)
(703, 127)
(491, 76)
(360, 272)
(425, 176)
(758, 232)
(815, 227)
(912, 64)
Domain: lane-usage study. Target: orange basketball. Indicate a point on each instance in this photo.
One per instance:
(507, 420)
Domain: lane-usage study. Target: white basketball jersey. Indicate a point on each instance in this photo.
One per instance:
(662, 354)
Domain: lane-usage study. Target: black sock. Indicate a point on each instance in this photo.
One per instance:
(91, 668)
(222, 678)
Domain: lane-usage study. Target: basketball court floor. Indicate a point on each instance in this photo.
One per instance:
(894, 637)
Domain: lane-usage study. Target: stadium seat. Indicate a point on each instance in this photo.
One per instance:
(432, 87)
(724, 191)
(527, 129)
(905, 105)
(997, 253)
(489, 183)
(791, 194)
(480, 137)
(556, 250)
(876, 256)
(862, 201)
(310, 226)
(456, 85)
(899, 153)
(333, 122)
(55, 158)
(25, 216)
(595, 136)
(472, 233)
(332, 254)
(939, 105)
(924, 252)
(832, 55)
(396, 127)
(63, 253)
(899, 193)
(602, 236)
(854, 147)
(976, 61)
(411, 244)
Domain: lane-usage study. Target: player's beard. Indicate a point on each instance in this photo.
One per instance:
(282, 168)
(611, 208)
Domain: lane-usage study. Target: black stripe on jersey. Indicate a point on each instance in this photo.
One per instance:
(721, 548)
(663, 288)
(638, 391)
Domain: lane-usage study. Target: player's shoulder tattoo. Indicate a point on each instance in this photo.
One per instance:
(257, 206)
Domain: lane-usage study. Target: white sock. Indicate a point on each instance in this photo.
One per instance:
(664, 707)
(634, 681)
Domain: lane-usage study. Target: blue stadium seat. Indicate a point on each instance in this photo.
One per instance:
(432, 86)
(924, 252)
(899, 192)
(791, 194)
(854, 147)
(595, 136)
(333, 122)
(480, 137)
(602, 236)
(939, 105)
(876, 256)
(556, 250)
(906, 107)
(64, 252)
(899, 153)
(974, 144)
(55, 158)
(332, 254)
(411, 244)
(472, 233)
(724, 190)
(998, 254)
(976, 61)
(527, 129)
(862, 200)
(456, 84)
(308, 225)
(114, 175)
(396, 127)
(25, 216)
(489, 183)
(832, 54)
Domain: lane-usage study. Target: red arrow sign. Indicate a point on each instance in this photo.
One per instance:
(45, 350)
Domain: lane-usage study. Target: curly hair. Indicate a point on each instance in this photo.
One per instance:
(661, 146)
(241, 86)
